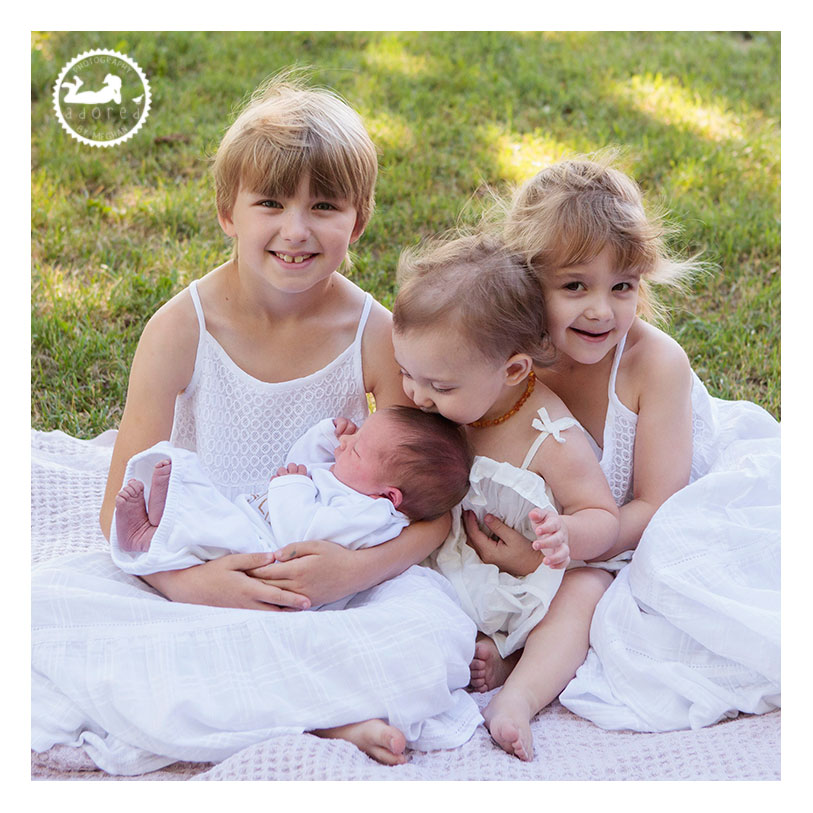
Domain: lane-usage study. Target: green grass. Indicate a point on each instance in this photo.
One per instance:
(118, 231)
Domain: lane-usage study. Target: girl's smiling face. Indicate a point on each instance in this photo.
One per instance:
(442, 373)
(590, 307)
(294, 242)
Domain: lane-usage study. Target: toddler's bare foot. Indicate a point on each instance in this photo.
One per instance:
(508, 720)
(379, 740)
(488, 669)
(158, 491)
(132, 524)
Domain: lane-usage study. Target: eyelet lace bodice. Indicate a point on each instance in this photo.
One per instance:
(621, 423)
(242, 427)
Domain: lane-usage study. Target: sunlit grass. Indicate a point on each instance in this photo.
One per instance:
(117, 232)
(668, 102)
(519, 156)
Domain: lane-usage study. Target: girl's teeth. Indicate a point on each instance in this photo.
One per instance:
(289, 259)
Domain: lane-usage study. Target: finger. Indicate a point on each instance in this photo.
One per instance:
(544, 542)
(247, 561)
(538, 514)
(556, 558)
(473, 528)
(295, 550)
(276, 596)
(495, 525)
(549, 524)
(476, 538)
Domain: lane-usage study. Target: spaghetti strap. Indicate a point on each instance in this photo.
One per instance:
(547, 427)
(619, 350)
(193, 290)
(365, 312)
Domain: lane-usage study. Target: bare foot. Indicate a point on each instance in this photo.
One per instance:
(379, 740)
(488, 669)
(508, 720)
(158, 491)
(132, 524)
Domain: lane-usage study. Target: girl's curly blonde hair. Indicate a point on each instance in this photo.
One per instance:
(570, 212)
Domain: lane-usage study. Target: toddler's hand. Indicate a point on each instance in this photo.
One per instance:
(344, 426)
(551, 538)
(291, 468)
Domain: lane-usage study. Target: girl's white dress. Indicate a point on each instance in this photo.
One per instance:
(504, 607)
(689, 632)
(140, 682)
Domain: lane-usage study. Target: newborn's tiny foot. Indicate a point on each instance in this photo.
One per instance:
(158, 491)
(488, 669)
(133, 527)
(379, 740)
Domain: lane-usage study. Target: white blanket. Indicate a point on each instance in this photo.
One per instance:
(68, 479)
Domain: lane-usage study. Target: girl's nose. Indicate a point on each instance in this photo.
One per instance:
(598, 308)
(421, 398)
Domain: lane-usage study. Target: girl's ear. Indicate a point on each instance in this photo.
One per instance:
(226, 223)
(517, 368)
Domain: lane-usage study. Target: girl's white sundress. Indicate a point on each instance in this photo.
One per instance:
(689, 632)
(140, 682)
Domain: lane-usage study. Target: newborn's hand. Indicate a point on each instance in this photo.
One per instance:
(291, 468)
(551, 538)
(344, 426)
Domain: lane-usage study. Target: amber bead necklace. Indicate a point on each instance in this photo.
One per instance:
(529, 388)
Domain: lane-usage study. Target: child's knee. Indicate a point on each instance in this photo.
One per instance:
(588, 583)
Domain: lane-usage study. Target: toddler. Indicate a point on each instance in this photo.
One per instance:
(469, 333)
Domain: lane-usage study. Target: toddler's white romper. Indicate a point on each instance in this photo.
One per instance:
(504, 607)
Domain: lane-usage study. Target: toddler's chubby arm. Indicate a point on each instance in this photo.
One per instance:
(162, 368)
(588, 518)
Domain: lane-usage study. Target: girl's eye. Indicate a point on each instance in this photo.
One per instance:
(271, 204)
(573, 286)
(403, 373)
(622, 287)
(324, 206)
(442, 389)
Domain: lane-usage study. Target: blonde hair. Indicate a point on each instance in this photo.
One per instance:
(570, 212)
(288, 129)
(472, 284)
